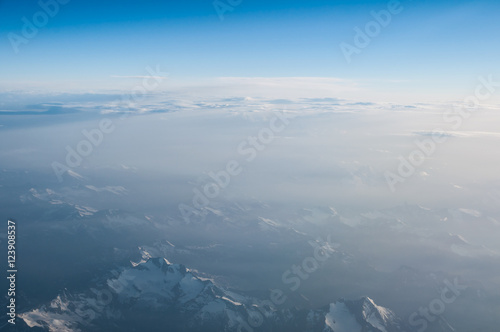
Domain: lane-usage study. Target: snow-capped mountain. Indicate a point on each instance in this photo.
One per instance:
(186, 302)
(154, 295)
(360, 315)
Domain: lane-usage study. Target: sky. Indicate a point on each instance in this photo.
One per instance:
(429, 48)
(377, 128)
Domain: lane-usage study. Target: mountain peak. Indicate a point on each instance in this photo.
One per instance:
(360, 315)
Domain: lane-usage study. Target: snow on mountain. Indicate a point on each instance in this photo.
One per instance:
(471, 212)
(75, 175)
(151, 285)
(56, 204)
(360, 315)
(117, 190)
(340, 319)
(458, 245)
(183, 301)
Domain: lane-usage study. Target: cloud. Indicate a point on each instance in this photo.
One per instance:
(140, 77)
(465, 134)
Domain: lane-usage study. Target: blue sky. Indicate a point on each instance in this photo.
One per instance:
(429, 45)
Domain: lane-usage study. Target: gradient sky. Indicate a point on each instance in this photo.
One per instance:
(433, 46)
